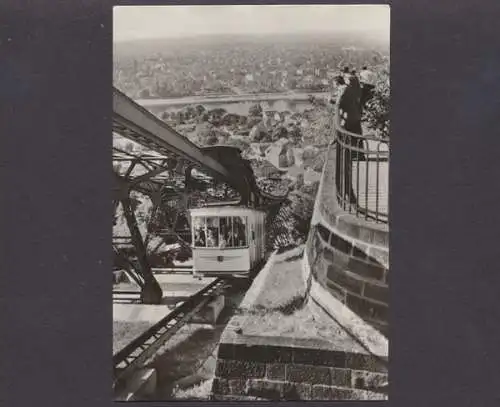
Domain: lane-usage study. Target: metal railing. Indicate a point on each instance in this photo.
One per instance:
(362, 171)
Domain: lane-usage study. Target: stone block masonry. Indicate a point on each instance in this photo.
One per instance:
(268, 372)
(349, 256)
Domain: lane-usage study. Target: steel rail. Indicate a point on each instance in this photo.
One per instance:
(141, 349)
(148, 129)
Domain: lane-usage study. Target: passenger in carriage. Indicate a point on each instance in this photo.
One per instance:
(211, 239)
(236, 238)
(232, 240)
(199, 239)
(223, 239)
(239, 232)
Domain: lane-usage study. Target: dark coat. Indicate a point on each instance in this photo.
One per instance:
(350, 103)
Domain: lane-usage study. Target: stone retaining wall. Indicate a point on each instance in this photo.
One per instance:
(268, 372)
(349, 256)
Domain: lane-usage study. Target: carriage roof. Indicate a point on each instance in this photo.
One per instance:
(223, 211)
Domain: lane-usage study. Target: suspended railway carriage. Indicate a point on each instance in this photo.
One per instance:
(228, 241)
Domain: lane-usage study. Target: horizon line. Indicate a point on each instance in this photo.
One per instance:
(192, 36)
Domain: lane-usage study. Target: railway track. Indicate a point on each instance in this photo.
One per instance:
(142, 349)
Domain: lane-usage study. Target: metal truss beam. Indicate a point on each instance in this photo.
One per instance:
(149, 175)
(149, 130)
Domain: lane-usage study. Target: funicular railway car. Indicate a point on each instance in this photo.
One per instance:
(228, 241)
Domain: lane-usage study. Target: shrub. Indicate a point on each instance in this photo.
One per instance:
(211, 139)
(279, 132)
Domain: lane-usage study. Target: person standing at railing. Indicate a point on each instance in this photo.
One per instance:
(367, 78)
(346, 74)
(338, 88)
(347, 149)
(350, 107)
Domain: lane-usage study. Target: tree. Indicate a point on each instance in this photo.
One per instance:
(317, 131)
(278, 133)
(258, 133)
(241, 144)
(190, 112)
(203, 118)
(200, 109)
(217, 112)
(377, 109)
(253, 121)
(310, 152)
(230, 119)
(302, 207)
(211, 140)
(255, 110)
(294, 134)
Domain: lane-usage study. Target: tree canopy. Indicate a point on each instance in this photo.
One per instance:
(377, 109)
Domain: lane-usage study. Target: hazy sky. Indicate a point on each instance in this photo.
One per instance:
(138, 22)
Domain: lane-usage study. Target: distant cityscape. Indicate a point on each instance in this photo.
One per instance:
(179, 68)
(285, 141)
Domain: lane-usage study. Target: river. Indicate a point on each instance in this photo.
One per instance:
(234, 104)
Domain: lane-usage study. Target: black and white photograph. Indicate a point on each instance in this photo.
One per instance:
(250, 234)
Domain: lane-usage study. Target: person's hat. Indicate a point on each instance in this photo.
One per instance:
(340, 80)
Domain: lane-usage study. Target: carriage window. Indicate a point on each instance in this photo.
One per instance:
(200, 234)
(212, 231)
(232, 232)
(225, 236)
(239, 232)
(220, 232)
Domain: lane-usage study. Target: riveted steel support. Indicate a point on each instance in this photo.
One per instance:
(151, 291)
